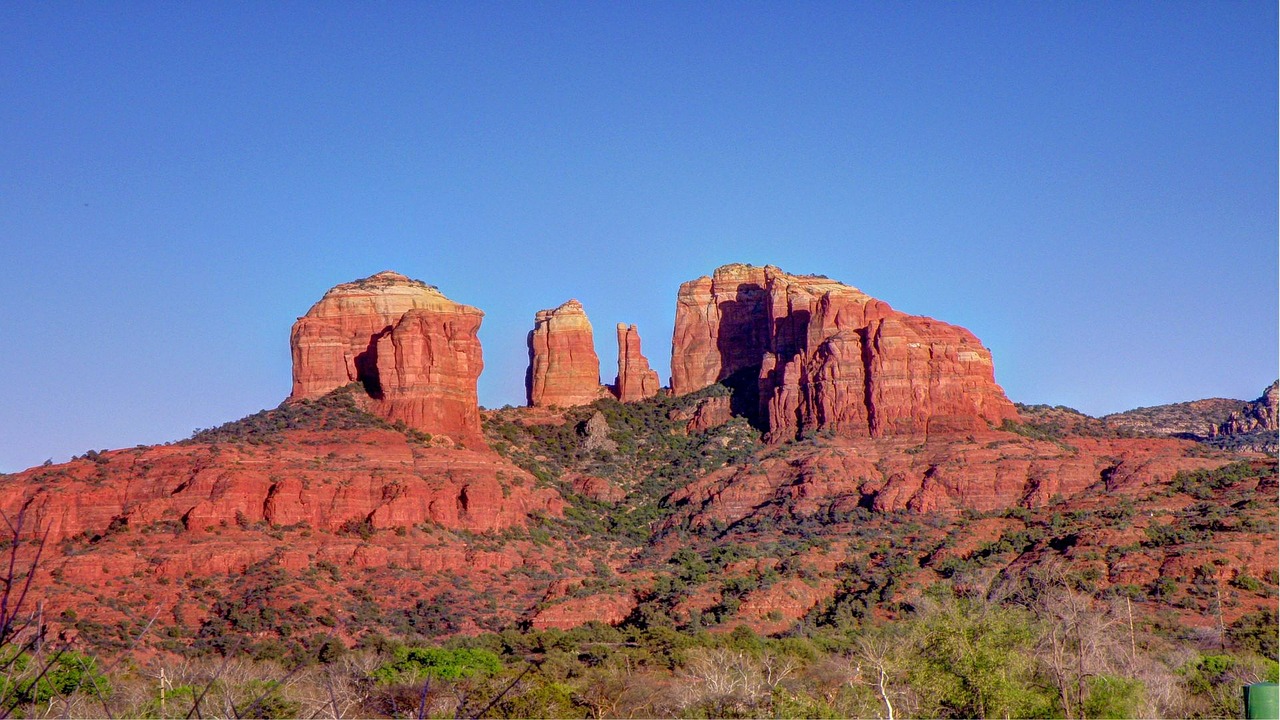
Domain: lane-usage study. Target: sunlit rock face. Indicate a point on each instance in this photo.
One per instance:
(804, 352)
(415, 352)
(635, 381)
(563, 367)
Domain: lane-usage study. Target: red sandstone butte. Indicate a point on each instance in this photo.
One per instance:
(635, 380)
(819, 354)
(563, 367)
(415, 351)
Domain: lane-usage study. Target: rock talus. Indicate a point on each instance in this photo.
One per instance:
(635, 380)
(563, 367)
(415, 352)
(808, 353)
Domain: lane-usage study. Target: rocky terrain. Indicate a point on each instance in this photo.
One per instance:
(820, 456)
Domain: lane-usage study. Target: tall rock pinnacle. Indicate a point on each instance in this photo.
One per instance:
(563, 367)
(414, 351)
(635, 380)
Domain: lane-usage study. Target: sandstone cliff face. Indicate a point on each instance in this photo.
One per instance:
(635, 380)
(415, 352)
(808, 353)
(563, 367)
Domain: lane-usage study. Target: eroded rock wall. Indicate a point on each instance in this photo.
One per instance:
(808, 353)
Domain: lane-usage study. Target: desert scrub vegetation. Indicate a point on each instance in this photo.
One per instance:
(335, 411)
(1033, 649)
(654, 456)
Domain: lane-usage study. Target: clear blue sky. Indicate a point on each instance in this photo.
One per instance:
(1091, 187)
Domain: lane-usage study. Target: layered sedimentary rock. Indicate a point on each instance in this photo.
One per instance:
(808, 353)
(415, 352)
(563, 367)
(635, 380)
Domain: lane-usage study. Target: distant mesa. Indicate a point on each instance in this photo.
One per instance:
(414, 351)
(1257, 416)
(805, 353)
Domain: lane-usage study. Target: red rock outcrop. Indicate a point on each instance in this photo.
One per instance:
(563, 367)
(818, 354)
(416, 353)
(635, 380)
(322, 480)
(999, 470)
(572, 612)
(709, 413)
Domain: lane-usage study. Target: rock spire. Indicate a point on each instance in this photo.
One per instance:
(635, 380)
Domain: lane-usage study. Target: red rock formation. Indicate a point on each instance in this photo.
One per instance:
(325, 480)
(596, 488)
(415, 352)
(572, 612)
(563, 367)
(635, 380)
(817, 354)
(999, 470)
(709, 413)
(720, 327)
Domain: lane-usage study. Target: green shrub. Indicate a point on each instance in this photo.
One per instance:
(1113, 697)
(416, 663)
(68, 672)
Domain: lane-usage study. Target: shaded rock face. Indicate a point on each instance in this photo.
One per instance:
(563, 367)
(635, 380)
(415, 352)
(807, 353)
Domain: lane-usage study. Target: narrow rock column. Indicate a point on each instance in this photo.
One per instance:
(635, 380)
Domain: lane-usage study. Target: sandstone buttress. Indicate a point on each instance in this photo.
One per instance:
(415, 352)
(805, 352)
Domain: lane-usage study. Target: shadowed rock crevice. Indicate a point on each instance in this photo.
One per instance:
(367, 366)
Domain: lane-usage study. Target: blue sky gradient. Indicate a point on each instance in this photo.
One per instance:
(1090, 187)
